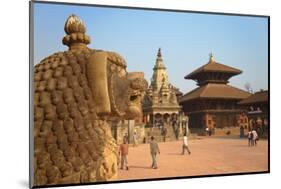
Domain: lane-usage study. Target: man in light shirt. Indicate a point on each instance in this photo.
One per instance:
(255, 137)
(185, 145)
(154, 149)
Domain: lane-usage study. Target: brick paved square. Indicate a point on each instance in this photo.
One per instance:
(214, 155)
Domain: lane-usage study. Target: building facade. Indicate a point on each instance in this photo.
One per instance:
(256, 110)
(214, 103)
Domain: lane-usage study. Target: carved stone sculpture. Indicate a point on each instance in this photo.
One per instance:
(76, 93)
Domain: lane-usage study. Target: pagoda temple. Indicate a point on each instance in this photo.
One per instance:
(214, 103)
(160, 103)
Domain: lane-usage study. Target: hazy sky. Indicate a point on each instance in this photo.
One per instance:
(186, 39)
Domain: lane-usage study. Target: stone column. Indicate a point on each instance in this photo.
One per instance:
(131, 128)
(187, 125)
(180, 124)
(153, 120)
(114, 130)
(151, 117)
(162, 118)
(168, 119)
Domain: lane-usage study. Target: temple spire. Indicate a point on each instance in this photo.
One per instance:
(75, 30)
(159, 61)
(160, 75)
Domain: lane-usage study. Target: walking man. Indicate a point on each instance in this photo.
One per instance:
(154, 149)
(123, 151)
(185, 145)
(255, 137)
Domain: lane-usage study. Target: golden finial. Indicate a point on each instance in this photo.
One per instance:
(74, 24)
(212, 59)
(159, 52)
(75, 30)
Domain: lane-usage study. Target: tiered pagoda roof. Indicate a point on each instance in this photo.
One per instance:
(212, 79)
(213, 72)
(213, 67)
(215, 91)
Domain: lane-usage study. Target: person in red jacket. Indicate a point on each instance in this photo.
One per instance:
(123, 151)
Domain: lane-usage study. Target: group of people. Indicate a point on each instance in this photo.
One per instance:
(253, 138)
(154, 150)
(124, 150)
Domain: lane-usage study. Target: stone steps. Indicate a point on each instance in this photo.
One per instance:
(156, 132)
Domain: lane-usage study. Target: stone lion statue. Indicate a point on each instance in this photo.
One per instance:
(76, 93)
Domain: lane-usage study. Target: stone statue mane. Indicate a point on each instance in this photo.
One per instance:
(76, 92)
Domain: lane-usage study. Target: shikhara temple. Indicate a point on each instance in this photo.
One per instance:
(160, 103)
(214, 103)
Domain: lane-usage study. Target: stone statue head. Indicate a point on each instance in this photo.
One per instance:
(116, 92)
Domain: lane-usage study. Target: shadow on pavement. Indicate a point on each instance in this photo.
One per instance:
(140, 167)
(174, 154)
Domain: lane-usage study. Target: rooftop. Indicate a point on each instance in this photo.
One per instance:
(213, 66)
(215, 91)
(258, 97)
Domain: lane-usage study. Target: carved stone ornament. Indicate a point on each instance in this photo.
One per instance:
(76, 92)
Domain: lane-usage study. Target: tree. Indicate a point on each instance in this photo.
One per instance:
(248, 87)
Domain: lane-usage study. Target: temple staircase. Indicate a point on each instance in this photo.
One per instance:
(156, 132)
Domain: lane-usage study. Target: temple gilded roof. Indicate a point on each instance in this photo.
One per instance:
(258, 97)
(213, 66)
(215, 91)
